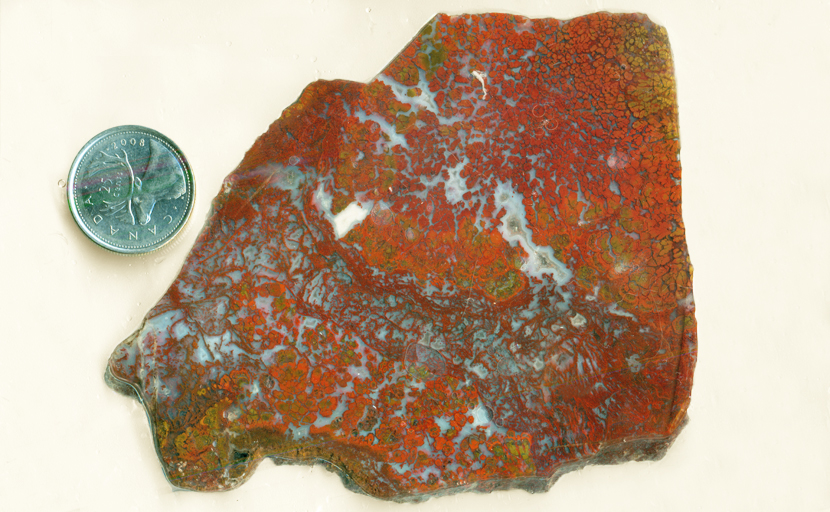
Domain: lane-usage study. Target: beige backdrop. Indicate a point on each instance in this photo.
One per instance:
(754, 109)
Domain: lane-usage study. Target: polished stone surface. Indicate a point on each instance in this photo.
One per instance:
(469, 274)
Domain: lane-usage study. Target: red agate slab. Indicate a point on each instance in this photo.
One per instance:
(468, 274)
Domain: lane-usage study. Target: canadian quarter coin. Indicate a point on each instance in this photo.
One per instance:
(130, 189)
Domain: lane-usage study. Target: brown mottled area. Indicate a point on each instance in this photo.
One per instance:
(469, 274)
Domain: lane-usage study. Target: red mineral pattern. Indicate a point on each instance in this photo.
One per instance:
(469, 274)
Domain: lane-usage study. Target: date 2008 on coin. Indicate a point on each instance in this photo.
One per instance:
(130, 189)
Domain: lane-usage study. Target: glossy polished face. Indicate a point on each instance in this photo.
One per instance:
(468, 274)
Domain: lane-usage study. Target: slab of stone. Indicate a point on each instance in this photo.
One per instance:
(468, 274)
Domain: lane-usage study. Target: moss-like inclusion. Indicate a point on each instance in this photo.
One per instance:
(431, 59)
(359, 408)
(504, 286)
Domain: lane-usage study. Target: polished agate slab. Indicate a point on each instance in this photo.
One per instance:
(468, 274)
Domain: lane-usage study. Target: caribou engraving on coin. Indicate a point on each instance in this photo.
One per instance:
(159, 179)
(130, 189)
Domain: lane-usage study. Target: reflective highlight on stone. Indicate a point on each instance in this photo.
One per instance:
(468, 274)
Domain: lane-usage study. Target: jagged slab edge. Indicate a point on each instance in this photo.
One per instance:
(629, 450)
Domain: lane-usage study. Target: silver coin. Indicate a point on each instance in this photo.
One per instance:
(130, 189)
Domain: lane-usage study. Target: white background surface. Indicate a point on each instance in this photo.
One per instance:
(754, 100)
